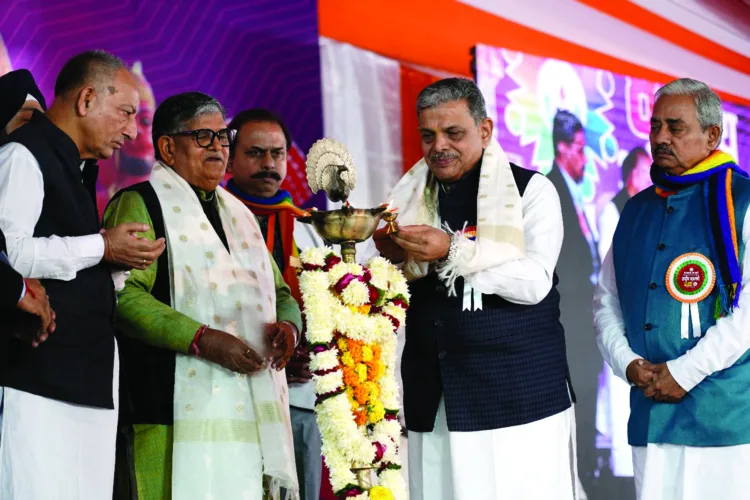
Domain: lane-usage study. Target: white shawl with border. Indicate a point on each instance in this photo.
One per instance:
(232, 432)
(500, 235)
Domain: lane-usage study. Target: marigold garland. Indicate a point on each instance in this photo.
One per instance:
(352, 314)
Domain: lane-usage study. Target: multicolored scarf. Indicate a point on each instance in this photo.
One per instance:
(715, 173)
(282, 206)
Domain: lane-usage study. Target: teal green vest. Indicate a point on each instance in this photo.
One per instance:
(652, 232)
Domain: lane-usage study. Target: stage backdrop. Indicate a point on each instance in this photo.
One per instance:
(245, 53)
(524, 93)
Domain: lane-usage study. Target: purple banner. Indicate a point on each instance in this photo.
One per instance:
(524, 94)
(244, 53)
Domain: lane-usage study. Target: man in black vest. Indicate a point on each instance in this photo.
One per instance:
(577, 270)
(487, 394)
(60, 417)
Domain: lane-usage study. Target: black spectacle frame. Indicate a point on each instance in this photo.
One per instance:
(205, 137)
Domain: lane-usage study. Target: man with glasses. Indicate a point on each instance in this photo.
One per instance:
(205, 331)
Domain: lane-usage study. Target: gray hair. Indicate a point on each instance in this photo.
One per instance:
(453, 89)
(175, 113)
(95, 68)
(707, 103)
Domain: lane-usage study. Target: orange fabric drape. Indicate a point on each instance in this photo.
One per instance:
(441, 33)
(412, 83)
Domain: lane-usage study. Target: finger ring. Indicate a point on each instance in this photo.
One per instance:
(247, 353)
(144, 262)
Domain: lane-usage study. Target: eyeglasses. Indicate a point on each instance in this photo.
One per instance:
(205, 137)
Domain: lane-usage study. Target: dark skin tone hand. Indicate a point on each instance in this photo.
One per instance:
(387, 247)
(124, 249)
(281, 337)
(229, 351)
(424, 243)
(39, 322)
(298, 368)
(663, 387)
(639, 375)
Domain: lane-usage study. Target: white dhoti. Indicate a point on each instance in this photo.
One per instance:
(52, 450)
(674, 472)
(534, 461)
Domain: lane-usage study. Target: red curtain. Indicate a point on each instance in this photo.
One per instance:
(412, 83)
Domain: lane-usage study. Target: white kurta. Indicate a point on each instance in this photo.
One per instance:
(531, 461)
(526, 462)
(670, 472)
(49, 449)
(52, 450)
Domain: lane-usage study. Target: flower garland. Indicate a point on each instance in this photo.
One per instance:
(352, 314)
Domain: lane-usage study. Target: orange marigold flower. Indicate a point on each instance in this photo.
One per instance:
(360, 418)
(361, 394)
(376, 351)
(365, 309)
(375, 371)
(350, 376)
(355, 349)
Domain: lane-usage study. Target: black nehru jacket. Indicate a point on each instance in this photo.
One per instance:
(500, 366)
(11, 285)
(15, 87)
(574, 268)
(75, 364)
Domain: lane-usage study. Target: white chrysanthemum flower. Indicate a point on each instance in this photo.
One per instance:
(358, 326)
(380, 270)
(336, 424)
(337, 272)
(387, 429)
(320, 324)
(325, 360)
(389, 392)
(396, 311)
(339, 468)
(330, 382)
(342, 269)
(394, 481)
(315, 256)
(356, 294)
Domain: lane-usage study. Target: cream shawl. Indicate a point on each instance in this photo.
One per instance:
(230, 430)
(500, 236)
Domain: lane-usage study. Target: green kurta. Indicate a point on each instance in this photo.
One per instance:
(144, 318)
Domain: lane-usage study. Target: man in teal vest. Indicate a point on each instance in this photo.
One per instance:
(671, 314)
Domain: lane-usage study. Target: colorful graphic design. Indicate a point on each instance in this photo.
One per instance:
(523, 94)
(246, 54)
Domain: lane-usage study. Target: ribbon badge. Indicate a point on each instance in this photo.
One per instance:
(472, 298)
(690, 278)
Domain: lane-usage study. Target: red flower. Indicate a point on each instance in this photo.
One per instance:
(379, 451)
(374, 294)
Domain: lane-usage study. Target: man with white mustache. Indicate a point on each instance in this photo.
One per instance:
(487, 394)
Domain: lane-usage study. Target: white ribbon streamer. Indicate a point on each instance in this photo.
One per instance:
(472, 298)
(690, 314)
(467, 296)
(477, 300)
(685, 321)
(696, 318)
